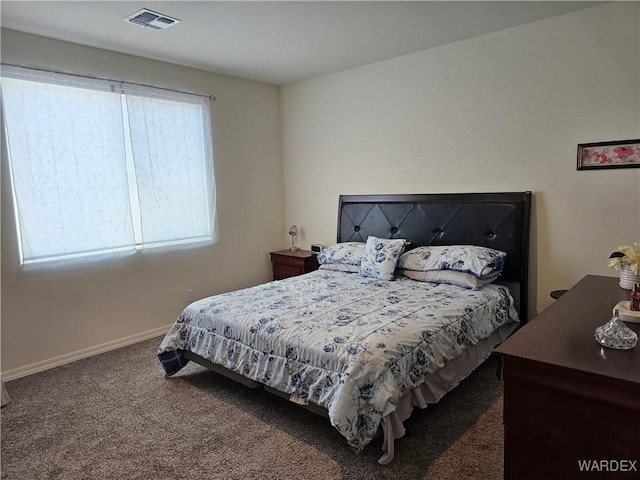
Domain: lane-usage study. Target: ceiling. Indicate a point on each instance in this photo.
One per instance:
(275, 42)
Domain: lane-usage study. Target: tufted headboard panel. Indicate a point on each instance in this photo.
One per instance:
(495, 220)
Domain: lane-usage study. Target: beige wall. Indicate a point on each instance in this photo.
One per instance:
(501, 112)
(51, 319)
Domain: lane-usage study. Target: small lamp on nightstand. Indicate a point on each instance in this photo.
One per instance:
(293, 231)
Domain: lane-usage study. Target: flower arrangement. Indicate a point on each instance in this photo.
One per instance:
(626, 256)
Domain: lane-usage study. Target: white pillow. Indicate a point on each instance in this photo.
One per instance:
(482, 262)
(450, 277)
(380, 257)
(340, 267)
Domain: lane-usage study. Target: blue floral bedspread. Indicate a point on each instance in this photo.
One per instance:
(351, 344)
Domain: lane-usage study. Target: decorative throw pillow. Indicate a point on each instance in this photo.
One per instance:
(450, 277)
(380, 257)
(347, 253)
(482, 262)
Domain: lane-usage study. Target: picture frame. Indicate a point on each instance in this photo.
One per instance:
(616, 154)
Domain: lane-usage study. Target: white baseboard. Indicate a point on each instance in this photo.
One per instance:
(80, 354)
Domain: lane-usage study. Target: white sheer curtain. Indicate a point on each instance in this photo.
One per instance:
(103, 168)
(169, 152)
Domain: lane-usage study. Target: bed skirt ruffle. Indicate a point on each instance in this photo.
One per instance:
(435, 387)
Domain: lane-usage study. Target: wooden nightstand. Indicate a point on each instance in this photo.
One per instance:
(289, 264)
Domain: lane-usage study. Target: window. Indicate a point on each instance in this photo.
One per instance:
(100, 168)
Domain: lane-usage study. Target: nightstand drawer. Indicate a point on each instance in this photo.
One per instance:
(289, 264)
(285, 271)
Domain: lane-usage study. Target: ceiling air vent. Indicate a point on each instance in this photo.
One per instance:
(153, 20)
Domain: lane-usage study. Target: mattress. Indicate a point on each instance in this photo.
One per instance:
(351, 344)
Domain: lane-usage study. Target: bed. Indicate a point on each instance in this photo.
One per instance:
(361, 346)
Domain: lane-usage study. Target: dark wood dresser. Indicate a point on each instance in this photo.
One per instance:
(289, 264)
(568, 402)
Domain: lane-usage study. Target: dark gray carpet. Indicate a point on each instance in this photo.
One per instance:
(114, 416)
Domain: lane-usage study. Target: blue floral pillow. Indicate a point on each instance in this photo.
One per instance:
(482, 262)
(451, 277)
(345, 253)
(380, 257)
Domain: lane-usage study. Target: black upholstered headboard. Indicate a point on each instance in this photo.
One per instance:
(496, 220)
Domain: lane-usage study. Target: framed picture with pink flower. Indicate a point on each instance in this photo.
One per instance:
(618, 154)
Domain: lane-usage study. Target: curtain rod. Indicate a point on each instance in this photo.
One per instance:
(210, 97)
